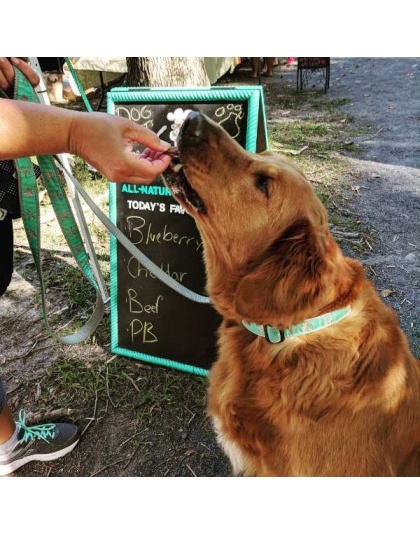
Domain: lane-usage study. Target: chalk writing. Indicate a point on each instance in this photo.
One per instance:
(146, 190)
(136, 270)
(140, 231)
(135, 306)
(143, 116)
(143, 329)
(176, 208)
(146, 206)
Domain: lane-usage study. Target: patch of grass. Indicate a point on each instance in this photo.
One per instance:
(120, 382)
(82, 171)
(300, 131)
(320, 137)
(92, 181)
(331, 106)
(65, 277)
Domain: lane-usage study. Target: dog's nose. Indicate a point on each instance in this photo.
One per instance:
(195, 125)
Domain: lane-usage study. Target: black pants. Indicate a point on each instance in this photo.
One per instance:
(6, 253)
(2, 395)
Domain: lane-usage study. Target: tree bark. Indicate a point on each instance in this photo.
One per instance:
(166, 72)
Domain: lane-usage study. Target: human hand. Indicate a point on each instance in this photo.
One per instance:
(7, 73)
(106, 142)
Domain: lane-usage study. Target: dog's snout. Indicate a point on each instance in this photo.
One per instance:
(195, 125)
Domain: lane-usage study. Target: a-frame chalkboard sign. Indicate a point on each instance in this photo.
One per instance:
(150, 321)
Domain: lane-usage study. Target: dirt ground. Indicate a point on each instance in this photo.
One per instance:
(139, 420)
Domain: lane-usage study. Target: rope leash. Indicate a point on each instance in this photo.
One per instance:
(133, 250)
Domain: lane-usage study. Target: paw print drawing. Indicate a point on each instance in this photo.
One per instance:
(177, 117)
(231, 112)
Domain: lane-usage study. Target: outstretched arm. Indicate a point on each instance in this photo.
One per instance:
(104, 141)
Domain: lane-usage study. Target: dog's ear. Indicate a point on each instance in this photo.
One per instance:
(283, 286)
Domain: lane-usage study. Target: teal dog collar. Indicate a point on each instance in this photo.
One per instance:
(275, 335)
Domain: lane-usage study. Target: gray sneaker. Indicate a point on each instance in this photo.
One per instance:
(41, 442)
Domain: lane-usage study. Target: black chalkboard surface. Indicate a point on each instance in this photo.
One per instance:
(149, 320)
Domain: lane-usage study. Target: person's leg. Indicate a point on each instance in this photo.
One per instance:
(269, 62)
(7, 424)
(264, 66)
(6, 248)
(255, 63)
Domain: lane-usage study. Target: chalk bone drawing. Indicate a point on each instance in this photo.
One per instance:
(177, 117)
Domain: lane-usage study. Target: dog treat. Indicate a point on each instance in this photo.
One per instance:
(175, 164)
(172, 151)
(177, 167)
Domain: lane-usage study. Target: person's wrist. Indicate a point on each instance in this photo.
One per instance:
(75, 135)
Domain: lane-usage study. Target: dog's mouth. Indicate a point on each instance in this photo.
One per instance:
(180, 187)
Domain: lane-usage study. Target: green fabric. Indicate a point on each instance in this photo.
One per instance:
(28, 191)
(79, 85)
(275, 335)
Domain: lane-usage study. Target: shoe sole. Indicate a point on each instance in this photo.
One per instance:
(10, 468)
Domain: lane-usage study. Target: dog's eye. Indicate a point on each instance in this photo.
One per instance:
(261, 183)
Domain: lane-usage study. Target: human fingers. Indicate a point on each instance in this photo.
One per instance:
(140, 170)
(161, 164)
(152, 166)
(26, 70)
(150, 154)
(7, 75)
(106, 142)
(147, 138)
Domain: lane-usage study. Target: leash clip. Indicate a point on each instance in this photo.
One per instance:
(268, 334)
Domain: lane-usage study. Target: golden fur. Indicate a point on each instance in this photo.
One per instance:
(343, 401)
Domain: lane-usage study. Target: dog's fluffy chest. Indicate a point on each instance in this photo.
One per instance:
(260, 408)
(292, 415)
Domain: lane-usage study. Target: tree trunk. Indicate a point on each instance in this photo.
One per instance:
(166, 72)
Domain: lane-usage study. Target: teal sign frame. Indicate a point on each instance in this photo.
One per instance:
(149, 321)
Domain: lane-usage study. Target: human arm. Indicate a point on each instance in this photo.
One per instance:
(105, 141)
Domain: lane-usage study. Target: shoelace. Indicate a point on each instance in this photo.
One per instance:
(44, 431)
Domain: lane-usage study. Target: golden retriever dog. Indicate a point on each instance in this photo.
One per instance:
(314, 376)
